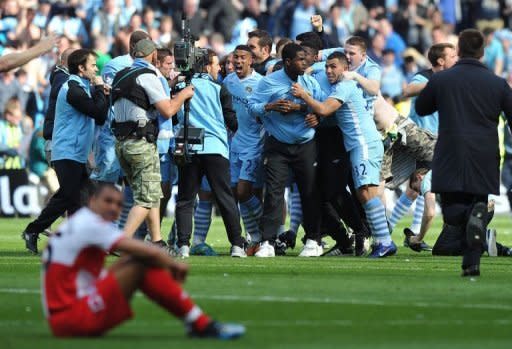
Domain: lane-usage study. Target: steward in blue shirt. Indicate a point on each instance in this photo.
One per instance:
(289, 145)
(210, 109)
(79, 108)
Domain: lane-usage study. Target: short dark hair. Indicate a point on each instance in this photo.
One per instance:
(211, 53)
(357, 41)
(388, 51)
(437, 51)
(310, 39)
(264, 38)
(137, 36)
(96, 188)
(77, 58)
(161, 53)
(340, 57)
(243, 48)
(290, 51)
(471, 44)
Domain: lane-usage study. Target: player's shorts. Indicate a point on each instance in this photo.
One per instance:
(205, 185)
(168, 169)
(94, 314)
(247, 167)
(366, 161)
(414, 148)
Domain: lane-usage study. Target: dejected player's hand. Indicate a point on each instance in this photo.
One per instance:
(179, 271)
(311, 120)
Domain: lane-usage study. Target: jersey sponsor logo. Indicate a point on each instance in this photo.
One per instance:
(95, 303)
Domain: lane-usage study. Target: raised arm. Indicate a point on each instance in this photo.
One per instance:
(14, 60)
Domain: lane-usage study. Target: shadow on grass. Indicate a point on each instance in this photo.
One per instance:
(22, 254)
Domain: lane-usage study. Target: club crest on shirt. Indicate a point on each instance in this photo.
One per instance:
(248, 89)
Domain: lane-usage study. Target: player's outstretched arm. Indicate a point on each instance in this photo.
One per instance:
(14, 60)
(152, 256)
(413, 89)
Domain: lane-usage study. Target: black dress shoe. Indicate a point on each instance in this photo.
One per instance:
(472, 270)
(475, 229)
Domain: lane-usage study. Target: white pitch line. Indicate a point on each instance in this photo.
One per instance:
(318, 300)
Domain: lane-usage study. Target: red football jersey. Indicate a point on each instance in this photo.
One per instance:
(74, 260)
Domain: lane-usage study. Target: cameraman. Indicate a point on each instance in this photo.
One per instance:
(211, 110)
(139, 97)
(79, 107)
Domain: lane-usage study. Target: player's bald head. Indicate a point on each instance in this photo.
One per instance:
(63, 59)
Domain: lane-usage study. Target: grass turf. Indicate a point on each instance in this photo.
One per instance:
(407, 301)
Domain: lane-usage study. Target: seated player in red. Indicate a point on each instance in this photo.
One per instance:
(81, 298)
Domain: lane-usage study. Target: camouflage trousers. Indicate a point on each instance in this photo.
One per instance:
(141, 166)
(414, 147)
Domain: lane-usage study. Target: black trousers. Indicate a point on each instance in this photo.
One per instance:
(73, 179)
(334, 175)
(278, 158)
(216, 169)
(456, 208)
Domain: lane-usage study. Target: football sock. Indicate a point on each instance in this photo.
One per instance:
(376, 215)
(401, 207)
(159, 286)
(418, 214)
(251, 211)
(202, 221)
(295, 210)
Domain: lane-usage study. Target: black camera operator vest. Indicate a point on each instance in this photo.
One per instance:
(125, 86)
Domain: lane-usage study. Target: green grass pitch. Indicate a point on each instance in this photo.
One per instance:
(407, 301)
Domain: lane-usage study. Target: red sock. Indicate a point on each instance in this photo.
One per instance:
(159, 285)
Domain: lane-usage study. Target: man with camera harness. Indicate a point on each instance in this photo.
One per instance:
(210, 109)
(139, 97)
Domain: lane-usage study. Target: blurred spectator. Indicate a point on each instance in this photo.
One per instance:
(65, 22)
(294, 17)
(376, 48)
(505, 37)
(489, 15)
(167, 34)
(9, 21)
(42, 14)
(26, 31)
(410, 68)
(394, 41)
(11, 135)
(101, 48)
(107, 22)
(393, 81)
(9, 88)
(196, 21)
(409, 23)
(335, 25)
(493, 55)
(353, 14)
(222, 15)
(149, 23)
(217, 44)
(226, 66)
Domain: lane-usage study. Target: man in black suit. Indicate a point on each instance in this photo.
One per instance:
(465, 168)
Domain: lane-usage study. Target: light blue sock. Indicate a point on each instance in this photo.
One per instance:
(376, 215)
(142, 230)
(418, 214)
(251, 211)
(202, 221)
(295, 210)
(401, 208)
